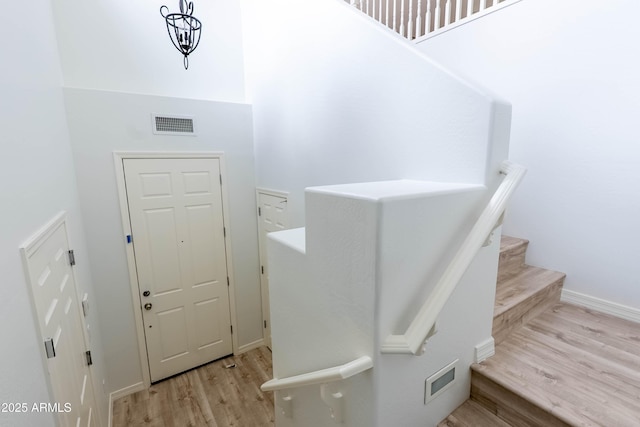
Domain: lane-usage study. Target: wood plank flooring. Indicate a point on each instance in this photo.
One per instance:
(472, 414)
(212, 395)
(568, 366)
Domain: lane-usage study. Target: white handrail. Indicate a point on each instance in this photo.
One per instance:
(413, 340)
(321, 376)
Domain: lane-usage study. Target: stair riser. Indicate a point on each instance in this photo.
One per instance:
(511, 260)
(509, 321)
(510, 407)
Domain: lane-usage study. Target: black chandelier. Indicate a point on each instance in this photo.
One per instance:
(184, 29)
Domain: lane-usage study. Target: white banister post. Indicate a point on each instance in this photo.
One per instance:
(386, 20)
(427, 18)
(447, 13)
(483, 4)
(458, 10)
(395, 14)
(333, 397)
(402, 18)
(438, 14)
(419, 20)
(410, 22)
(469, 8)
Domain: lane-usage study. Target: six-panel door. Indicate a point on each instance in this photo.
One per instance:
(176, 213)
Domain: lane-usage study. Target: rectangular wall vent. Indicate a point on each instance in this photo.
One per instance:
(173, 125)
(437, 383)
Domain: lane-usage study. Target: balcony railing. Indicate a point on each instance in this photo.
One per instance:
(420, 19)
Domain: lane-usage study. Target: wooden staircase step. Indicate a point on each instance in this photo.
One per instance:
(568, 366)
(472, 414)
(522, 296)
(512, 256)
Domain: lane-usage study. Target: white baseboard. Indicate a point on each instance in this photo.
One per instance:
(603, 306)
(250, 346)
(113, 396)
(485, 350)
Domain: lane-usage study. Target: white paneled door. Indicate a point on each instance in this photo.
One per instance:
(47, 263)
(272, 216)
(175, 209)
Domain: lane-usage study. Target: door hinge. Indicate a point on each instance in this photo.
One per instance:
(88, 356)
(220, 179)
(72, 257)
(228, 283)
(262, 268)
(265, 324)
(231, 326)
(224, 231)
(259, 211)
(49, 348)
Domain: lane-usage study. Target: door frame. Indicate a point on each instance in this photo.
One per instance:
(118, 157)
(263, 298)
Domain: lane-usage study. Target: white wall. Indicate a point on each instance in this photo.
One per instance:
(38, 181)
(102, 122)
(337, 99)
(360, 270)
(119, 66)
(571, 71)
(124, 46)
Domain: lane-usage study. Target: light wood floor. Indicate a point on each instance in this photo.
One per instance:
(212, 395)
(572, 364)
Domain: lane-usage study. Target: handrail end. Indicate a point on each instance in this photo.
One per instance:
(507, 166)
(396, 344)
(268, 386)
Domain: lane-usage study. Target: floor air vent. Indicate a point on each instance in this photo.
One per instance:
(173, 125)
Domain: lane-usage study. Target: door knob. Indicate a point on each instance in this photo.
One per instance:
(146, 293)
(148, 306)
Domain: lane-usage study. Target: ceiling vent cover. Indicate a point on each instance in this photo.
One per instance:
(173, 125)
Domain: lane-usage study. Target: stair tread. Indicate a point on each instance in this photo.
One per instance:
(472, 414)
(517, 288)
(508, 243)
(581, 366)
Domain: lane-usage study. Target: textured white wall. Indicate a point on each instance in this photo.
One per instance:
(571, 71)
(123, 46)
(103, 122)
(37, 181)
(337, 99)
(371, 255)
